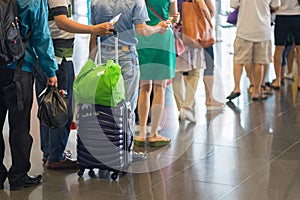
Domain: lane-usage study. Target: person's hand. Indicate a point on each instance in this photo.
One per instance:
(103, 29)
(175, 19)
(163, 26)
(52, 81)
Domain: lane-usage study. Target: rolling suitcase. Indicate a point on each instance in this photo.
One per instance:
(104, 135)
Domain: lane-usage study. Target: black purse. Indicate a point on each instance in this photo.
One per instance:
(53, 108)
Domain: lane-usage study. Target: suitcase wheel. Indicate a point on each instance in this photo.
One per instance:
(92, 173)
(80, 172)
(114, 175)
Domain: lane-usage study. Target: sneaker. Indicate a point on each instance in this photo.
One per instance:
(187, 114)
(68, 154)
(138, 156)
(289, 76)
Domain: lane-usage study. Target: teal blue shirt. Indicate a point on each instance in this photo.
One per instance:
(34, 18)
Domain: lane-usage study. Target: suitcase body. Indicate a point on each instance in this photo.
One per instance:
(104, 138)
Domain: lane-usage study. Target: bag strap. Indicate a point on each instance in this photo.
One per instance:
(156, 13)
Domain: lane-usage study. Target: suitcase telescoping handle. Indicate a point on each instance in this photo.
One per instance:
(116, 36)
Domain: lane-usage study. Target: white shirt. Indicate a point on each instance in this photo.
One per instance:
(289, 7)
(254, 19)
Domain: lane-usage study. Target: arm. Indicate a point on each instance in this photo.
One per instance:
(92, 47)
(43, 46)
(234, 3)
(210, 7)
(173, 12)
(145, 30)
(66, 24)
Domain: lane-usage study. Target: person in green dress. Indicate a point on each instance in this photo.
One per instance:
(157, 58)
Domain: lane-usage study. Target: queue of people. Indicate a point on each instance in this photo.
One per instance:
(148, 60)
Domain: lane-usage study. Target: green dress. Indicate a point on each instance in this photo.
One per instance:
(157, 56)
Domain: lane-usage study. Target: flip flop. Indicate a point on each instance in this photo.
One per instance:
(233, 95)
(260, 97)
(273, 86)
(139, 143)
(160, 141)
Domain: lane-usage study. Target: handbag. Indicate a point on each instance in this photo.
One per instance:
(233, 16)
(179, 46)
(178, 42)
(196, 24)
(102, 84)
(53, 108)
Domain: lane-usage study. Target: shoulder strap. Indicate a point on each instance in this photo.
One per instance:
(156, 13)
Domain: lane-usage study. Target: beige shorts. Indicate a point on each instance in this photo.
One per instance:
(252, 52)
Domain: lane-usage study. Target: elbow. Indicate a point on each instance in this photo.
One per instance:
(275, 8)
(60, 25)
(141, 32)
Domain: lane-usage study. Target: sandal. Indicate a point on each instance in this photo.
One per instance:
(154, 141)
(158, 140)
(261, 96)
(139, 141)
(266, 89)
(233, 95)
(275, 87)
(214, 105)
(250, 89)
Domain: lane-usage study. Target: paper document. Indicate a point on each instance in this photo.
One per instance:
(115, 19)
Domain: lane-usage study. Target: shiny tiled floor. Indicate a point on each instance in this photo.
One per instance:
(250, 151)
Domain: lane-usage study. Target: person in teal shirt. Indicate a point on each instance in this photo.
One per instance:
(34, 16)
(157, 60)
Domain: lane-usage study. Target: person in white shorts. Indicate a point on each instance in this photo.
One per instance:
(253, 41)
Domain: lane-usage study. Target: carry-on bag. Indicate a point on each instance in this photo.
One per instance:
(104, 134)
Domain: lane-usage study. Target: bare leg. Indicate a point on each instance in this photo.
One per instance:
(249, 72)
(144, 105)
(157, 110)
(290, 60)
(298, 62)
(277, 65)
(257, 80)
(265, 89)
(237, 73)
(210, 101)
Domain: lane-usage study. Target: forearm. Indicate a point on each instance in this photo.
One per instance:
(173, 12)
(71, 26)
(92, 47)
(210, 7)
(145, 30)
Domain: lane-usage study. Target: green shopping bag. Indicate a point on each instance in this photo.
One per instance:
(103, 84)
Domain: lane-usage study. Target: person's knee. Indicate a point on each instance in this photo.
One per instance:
(194, 72)
(145, 89)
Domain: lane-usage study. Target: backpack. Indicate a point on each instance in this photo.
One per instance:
(11, 45)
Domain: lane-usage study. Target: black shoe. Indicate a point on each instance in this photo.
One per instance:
(63, 164)
(31, 181)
